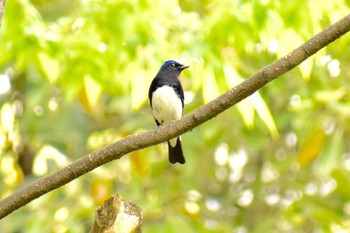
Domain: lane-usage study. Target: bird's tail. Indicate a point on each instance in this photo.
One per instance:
(175, 153)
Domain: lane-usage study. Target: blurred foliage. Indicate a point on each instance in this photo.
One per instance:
(74, 77)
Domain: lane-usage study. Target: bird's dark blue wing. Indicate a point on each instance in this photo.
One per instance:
(179, 91)
(154, 86)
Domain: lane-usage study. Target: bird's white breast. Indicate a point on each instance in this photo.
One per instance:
(166, 105)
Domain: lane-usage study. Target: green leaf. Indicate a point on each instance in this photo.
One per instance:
(91, 95)
(7, 118)
(311, 147)
(332, 153)
(263, 111)
(245, 107)
(306, 68)
(139, 93)
(210, 87)
(343, 182)
(50, 67)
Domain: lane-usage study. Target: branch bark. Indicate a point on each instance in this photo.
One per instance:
(173, 129)
(2, 10)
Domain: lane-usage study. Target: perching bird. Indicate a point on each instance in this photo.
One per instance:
(167, 102)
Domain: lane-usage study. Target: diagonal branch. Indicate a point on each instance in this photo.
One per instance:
(173, 129)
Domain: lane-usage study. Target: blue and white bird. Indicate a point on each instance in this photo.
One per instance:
(166, 98)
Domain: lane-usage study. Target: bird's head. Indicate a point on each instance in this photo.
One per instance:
(172, 66)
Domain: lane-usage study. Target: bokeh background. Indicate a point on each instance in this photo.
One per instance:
(74, 77)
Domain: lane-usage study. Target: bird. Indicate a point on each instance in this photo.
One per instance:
(166, 98)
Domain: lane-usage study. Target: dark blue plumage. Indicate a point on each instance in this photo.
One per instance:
(167, 102)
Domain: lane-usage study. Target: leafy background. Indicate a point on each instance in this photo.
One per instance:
(74, 77)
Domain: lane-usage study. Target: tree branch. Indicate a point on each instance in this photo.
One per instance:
(2, 10)
(173, 129)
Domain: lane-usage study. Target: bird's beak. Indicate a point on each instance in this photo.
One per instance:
(182, 67)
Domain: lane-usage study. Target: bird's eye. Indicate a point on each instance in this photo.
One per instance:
(173, 64)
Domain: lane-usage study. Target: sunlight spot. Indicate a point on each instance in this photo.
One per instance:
(290, 197)
(246, 198)
(177, 11)
(60, 228)
(194, 195)
(311, 189)
(10, 170)
(258, 47)
(241, 229)
(238, 160)
(78, 23)
(333, 68)
(192, 207)
(189, 96)
(53, 105)
(61, 214)
(86, 202)
(328, 126)
(293, 195)
(346, 161)
(213, 205)
(295, 100)
(102, 47)
(221, 154)
(272, 199)
(273, 46)
(38, 110)
(235, 176)
(269, 173)
(334, 227)
(325, 60)
(346, 208)
(291, 139)
(43, 158)
(5, 84)
(7, 118)
(285, 202)
(328, 187)
(264, 2)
